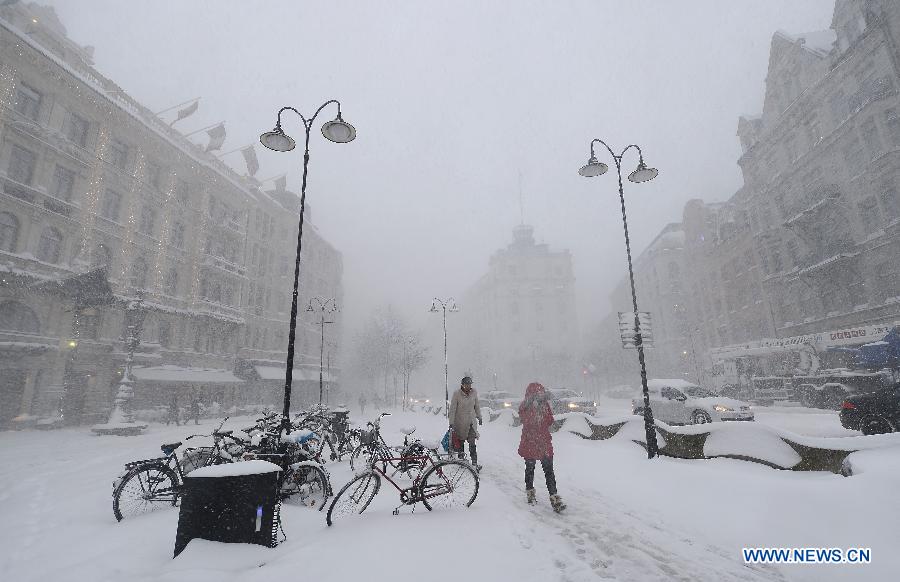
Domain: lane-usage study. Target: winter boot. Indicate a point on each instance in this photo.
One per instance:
(532, 498)
(557, 503)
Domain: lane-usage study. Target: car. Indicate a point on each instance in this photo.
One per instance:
(829, 395)
(566, 400)
(676, 401)
(419, 400)
(500, 399)
(873, 413)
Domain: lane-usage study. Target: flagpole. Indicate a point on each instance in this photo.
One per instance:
(202, 129)
(177, 106)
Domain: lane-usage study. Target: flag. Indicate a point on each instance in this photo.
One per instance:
(281, 183)
(189, 110)
(216, 137)
(250, 157)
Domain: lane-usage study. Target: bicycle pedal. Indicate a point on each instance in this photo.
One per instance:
(396, 511)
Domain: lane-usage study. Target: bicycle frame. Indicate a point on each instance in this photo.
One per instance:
(425, 463)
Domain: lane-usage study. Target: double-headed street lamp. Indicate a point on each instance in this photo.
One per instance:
(324, 306)
(448, 304)
(641, 174)
(338, 131)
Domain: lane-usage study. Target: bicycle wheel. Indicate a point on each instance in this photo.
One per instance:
(449, 484)
(146, 488)
(354, 497)
(306, 485)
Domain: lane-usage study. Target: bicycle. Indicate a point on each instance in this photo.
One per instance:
(448, 483)
(151, 484)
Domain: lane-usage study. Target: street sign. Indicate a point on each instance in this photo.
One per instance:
(629, 335)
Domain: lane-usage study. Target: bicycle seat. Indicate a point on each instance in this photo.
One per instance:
(169, 447)
(408, 431)
(429, 444)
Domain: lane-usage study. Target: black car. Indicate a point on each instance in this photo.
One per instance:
(873, 413)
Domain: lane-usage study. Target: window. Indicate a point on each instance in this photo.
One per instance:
(890, 201)
(16, 316)
(117, 154)
(21, 165)
(854, 155)
(148, 220)
(154, 176)
(183, 193)
(139, 273)
(50, 245)
(76, 129)
(89, 324)
(171, 281)
(892, 121)
(28, 102)
(9, 232)
(794, 252)
(164, 334)
(838, 106)
(871, 136)
(101, 257)
(63, 183)
(112, 201)
(868, 213)
(178, 235)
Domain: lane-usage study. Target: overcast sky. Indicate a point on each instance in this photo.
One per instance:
(453, 102)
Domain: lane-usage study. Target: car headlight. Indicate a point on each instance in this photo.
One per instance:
(573, 405)
(506, 405)
(427, 401)
(720, 408)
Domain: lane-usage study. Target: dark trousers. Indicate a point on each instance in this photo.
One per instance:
(547, 466)
(473, 448)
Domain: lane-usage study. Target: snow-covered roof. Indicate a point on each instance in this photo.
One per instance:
(299, 374)
(819, 42)
(171, 373)
(670, 383)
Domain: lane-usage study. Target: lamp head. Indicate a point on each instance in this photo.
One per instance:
(642, 173)
(338, 130)
(277, 140)
(593, 168)
(434, 308)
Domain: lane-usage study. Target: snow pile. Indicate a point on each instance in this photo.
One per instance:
(254, 467)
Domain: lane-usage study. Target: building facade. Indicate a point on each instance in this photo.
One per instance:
(92, 182)
(809, 243)
(519, 319)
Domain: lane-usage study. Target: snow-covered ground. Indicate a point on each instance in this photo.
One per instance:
(628, 518)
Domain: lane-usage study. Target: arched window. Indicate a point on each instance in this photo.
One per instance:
(171, 281)
(50, 245)
(9, 232)
(16, 316)
(139, 273)
(101, 257)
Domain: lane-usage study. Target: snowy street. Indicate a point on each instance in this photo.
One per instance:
(627, 518)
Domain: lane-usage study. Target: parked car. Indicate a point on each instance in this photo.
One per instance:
(873, 413)
(828, 395)
(500, 399)
(419, 400)
(678, 401)
(566, 400)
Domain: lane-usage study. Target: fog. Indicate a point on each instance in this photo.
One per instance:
(460, 108)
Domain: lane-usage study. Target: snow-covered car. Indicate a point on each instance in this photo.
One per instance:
(500, 399)
(678, 401)
(565, 400)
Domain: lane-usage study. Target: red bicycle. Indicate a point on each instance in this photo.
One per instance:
(443, 484)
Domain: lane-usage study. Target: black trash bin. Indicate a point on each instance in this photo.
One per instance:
(236, 503)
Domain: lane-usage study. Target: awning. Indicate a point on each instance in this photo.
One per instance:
(299, 375)
(170, 373)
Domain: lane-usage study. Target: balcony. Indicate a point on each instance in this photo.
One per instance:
(826, 265)
(37, 197)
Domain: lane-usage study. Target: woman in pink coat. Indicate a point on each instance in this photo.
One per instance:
(536, 443)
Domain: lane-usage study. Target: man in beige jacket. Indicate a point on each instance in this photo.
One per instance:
(464, 412)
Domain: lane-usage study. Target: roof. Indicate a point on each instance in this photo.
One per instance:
(277, 373)
(818, 42)
(670, 383)
(170, 373)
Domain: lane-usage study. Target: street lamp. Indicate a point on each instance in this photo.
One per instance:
(642, 173)
(325, 306)
(338, 131)
(446, 305)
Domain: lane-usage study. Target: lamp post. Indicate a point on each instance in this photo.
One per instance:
(338, 131)
(641, 174)
(325, 306)
(448, 304)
